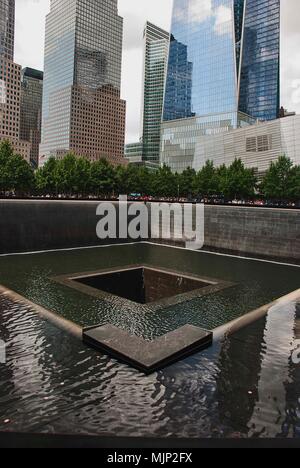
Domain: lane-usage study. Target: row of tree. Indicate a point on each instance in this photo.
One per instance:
(74, 176)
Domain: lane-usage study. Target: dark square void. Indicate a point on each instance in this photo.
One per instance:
(142, 285)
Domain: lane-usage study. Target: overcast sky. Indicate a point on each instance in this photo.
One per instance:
(30, 25)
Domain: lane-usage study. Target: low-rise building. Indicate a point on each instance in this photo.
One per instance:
(256, 145)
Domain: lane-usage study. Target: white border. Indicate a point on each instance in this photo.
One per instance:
(124, 244)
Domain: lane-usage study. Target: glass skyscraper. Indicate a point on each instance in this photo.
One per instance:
(156, 48)
(31, 110)
(178, 97)
(259, 83)
(223, 70)
(82, 79)
(224, 58)
(156, 45)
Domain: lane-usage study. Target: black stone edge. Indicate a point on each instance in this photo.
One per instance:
(214, 286)
(183, 353)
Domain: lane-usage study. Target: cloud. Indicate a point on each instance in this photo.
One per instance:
(223, 21)
(199, 11)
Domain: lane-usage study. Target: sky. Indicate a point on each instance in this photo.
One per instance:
(29, 48)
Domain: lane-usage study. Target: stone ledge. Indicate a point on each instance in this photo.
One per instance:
(148, 356)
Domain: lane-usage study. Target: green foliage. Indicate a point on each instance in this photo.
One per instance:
(16, 175)
(237, 182)
(281, 182)
(206, 182)
(102, 178)
(82, 176)
(46, 178)
(294, 184)
(186, 181)
(165, 183)
(78, 176)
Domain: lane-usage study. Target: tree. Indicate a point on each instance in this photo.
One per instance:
(222, 176)
(16, 175)
(239, 182)
(165, 183)
(102, 178)
(66, 175)
(186, 182)
(144, 181)
(278, 180)
(132, 179)
(20, 175)
(294, 185)
(46, 178)
(206, 181)
(82, 176)
(121, 186)
(6, 152)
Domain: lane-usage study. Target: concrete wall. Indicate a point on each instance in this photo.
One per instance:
(44, 225)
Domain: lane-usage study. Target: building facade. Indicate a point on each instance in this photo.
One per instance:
(31, 110)
(7, 29)
(223, 71)
(10, 83)
(82, 80)
(259, 74)
(224, 57)
(134, 152)
(256, 145)
(156, 46)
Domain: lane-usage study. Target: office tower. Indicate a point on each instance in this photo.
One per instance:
(178, 97)
(10, 82)
(225, 75)
(82, 109)
(7, 28)
(156, 45)
(31, 110)
(259, 80)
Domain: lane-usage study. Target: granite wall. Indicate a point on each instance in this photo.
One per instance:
(44, 225)
(262, 232)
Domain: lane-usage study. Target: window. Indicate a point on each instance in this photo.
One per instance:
(259, 144)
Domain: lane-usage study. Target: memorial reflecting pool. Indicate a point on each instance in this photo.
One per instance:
(245, 385)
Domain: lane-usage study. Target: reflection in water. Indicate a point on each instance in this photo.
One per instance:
(178, 97)
(202, 59)
(291, 425)
(53, 383)
(269, 411)
(237, 381)
(258, 388)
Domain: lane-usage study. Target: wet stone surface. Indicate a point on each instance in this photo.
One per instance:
(240, 287)
(246, 386)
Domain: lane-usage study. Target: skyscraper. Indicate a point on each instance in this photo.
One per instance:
(10, 82)
(156, 45)
(259, 81)
(31, 110)
(7, 28)
(82, 109)
(229, 58)
(178, 97)
(226, 74)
